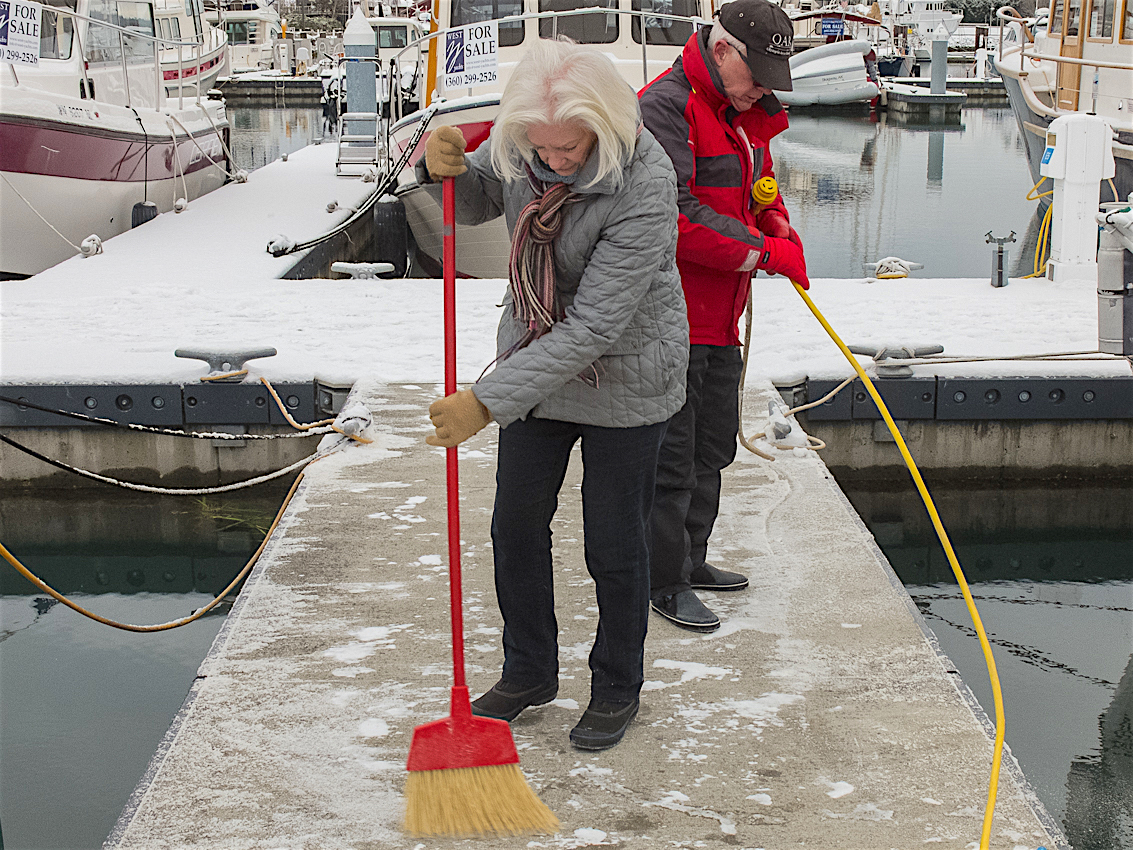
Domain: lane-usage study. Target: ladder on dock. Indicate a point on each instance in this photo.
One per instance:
(357, 145)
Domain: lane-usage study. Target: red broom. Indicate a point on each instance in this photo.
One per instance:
(464, 777)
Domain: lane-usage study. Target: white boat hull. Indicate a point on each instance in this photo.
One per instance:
(829, 75)
(82, 165)
(481, 250)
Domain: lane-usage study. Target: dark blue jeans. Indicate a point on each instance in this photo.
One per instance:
(619, 470)
(699, 443)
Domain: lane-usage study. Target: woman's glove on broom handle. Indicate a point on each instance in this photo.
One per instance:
(456, 417)
(444, 153)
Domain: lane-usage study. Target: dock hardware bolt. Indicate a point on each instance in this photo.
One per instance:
(999, 258)
(220, 362)
(888, 352)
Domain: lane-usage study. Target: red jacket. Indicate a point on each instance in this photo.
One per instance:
(718, 154)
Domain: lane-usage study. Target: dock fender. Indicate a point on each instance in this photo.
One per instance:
(391, 235)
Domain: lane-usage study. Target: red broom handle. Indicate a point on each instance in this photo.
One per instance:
(448, 203)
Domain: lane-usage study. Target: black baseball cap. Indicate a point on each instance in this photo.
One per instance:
(766, 31)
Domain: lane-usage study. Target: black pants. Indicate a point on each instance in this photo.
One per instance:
(699, 443)
(619, 471)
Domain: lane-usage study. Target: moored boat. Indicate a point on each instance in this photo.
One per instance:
(192, 66)
(1076, 58)
(616, 28)
(90, 141)
(251, 26)
(833, 74)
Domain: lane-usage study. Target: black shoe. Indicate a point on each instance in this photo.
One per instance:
(505, 700)
(687, 611)
(603, 724)
(708, 577)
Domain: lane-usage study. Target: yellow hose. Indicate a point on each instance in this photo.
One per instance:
(997, 751)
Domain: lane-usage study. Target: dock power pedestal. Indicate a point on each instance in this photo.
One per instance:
(1115, 279)
(1078, 156)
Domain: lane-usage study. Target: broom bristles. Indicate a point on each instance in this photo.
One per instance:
(470, 801)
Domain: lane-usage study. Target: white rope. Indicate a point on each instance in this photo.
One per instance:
(219, 135)
(204, 153)
(177, 159)
(78, 250)
(198, 491)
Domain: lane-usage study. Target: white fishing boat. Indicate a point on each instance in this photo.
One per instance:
(191, 66)
(482, 250)
(834, 74)
(900, 31)
(252, 27)
(1076, 57)
(90, 141)
(913, 22)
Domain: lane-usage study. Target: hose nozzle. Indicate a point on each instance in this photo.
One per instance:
(764, 191)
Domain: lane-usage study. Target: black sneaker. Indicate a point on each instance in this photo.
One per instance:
(687, 611)
(603, 724)
(505, 700)
(708, 577)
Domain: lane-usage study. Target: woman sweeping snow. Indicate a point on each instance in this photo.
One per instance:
(592, 346)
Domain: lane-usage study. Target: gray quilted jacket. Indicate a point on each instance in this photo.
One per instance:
(618, 282)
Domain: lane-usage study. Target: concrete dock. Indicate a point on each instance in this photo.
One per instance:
(819, 715)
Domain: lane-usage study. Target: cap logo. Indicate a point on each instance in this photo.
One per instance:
(781, 44)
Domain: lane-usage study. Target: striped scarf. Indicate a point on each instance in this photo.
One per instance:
(531, 268)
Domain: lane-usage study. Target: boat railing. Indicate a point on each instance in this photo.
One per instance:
(430, 40)
(104, 36)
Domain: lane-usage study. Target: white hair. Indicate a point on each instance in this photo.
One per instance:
(560, 82)
(718, 33)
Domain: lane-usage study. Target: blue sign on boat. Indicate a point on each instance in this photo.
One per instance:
(833, 26)
(1047, 154)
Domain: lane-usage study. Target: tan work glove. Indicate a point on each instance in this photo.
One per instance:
(456, 418)
(444, 153)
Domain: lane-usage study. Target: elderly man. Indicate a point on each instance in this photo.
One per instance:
(715, 114)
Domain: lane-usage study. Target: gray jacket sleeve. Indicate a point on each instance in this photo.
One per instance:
(633, 243)
(479, 192)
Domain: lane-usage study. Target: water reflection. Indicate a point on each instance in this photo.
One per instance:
(260, 136)
(862, 188)
(84, 706)
(1051, 569)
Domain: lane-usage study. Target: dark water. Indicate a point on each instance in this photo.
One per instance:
(859, 190)
(84, 706)
(1051, 570)
(260, 136)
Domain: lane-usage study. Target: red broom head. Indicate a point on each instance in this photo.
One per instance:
(461, 740)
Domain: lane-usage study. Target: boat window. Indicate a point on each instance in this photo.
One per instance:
(474, 11)
(592, 28)
(175, 29)
(193, 12)
(55, 35)
(237, 32)
(102, 43)
(1127, 22)
(392, 37)
(1101, 19)
(662, 30)
(1073, 17)
(1056, 18)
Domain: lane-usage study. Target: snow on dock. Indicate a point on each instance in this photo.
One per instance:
(819, 714)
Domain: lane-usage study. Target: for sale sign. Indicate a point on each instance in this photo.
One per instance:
(472, 55)
(833, 26)
(19, 32)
